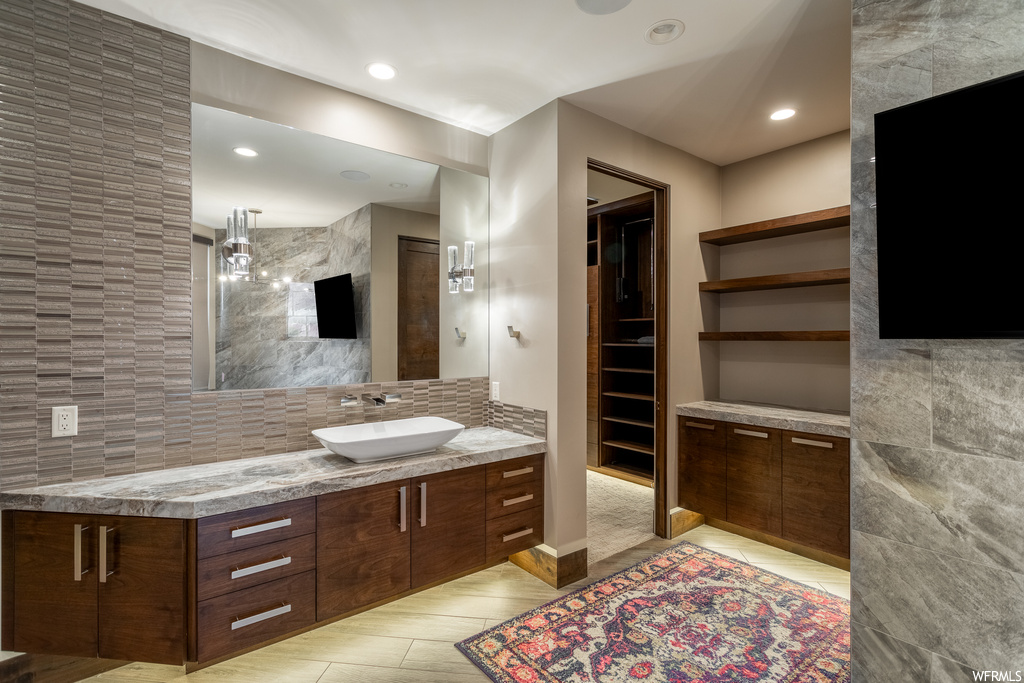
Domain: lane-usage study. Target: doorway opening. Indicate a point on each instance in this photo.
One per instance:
(418, 287)
(627, 229)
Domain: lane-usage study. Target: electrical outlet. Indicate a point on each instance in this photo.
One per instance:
(64, 421)
(495, 394)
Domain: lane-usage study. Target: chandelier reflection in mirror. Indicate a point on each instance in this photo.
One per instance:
(460, 273)
(238, 250)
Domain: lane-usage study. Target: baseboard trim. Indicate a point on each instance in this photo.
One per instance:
(554, 571)
(685, 520)
(782, 544)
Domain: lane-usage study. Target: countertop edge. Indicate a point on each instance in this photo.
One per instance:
(778, 417)
(354, 476)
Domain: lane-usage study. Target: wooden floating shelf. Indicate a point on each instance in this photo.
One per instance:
(636, 320)
(622, 394)
(775, 335)
(630, 344)
(627, 421)
(631, 446)
(812, 278)
(779, 227)
(635, 371)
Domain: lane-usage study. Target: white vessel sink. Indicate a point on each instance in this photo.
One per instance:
(397, 438)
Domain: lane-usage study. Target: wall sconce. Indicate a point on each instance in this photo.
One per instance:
(460, 273)
(238, 250)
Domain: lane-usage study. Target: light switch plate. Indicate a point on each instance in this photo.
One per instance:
(64, 421)
(495, 394)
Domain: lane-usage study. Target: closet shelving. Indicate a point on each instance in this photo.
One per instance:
(778, 227)
(620, 254)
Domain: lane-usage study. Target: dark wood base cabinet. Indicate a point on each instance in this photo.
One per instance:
(791, 485)
(171, 591)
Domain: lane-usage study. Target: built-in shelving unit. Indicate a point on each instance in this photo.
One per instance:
(622, 380)
(825, 219)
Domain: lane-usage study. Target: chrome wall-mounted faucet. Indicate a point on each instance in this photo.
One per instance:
(381, 399)
(349, 400)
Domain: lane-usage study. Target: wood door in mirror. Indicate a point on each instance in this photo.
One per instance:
(418, 291)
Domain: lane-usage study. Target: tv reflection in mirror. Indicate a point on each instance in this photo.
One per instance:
(335, 308)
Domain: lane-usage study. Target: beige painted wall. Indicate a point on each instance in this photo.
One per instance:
(806, 177)
(538, 237)
(386, 224)
(464, 209)
(228, 82)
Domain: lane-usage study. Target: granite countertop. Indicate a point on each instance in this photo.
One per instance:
(780, 417)
(204, 490)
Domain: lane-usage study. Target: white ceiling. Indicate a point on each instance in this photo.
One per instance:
(483, 64)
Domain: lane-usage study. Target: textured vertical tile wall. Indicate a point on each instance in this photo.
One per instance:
(937, 426)
(95, 267)
(528, 421)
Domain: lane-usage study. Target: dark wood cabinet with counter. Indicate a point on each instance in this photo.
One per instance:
(790, 485)
(194, 590)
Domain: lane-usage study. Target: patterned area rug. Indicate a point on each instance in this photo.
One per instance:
(684, 615)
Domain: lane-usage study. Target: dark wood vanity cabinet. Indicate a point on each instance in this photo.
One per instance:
(790, 485)
(175, 590)
(95, 586)
(378, 541)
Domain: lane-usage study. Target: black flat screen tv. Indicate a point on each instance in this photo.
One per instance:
(335, 307)
(950, 238)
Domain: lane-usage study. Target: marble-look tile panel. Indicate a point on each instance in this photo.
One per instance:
(885, 85)
(891, 396)
(983, 52)
(204, 490)
(977, 401)
(879, 658)
(961, 610)
(779, 417)
(959, 505)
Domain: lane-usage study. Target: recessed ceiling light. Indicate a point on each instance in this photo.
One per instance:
(355, 176)
(246, 152)
(664, 31)
(601, 6)
(398, 186)
(384, 72)
(783, 114)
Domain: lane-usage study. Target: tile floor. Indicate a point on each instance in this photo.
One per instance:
(411, 640)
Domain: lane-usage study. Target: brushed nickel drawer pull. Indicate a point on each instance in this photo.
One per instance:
(747, 432)
(516, 473)
(401, 509)
(240, 622)
(259, 527)
(516, 501)
(700, 425)
(809, 442)
(525, 532)
(103, 553)
(78, 552)
(423, 504)
(274, 563)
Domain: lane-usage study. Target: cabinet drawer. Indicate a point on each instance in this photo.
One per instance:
(515, 471)
(248, 528)
(238, 620)
(514, 533)
(511, 498)
(252, 566)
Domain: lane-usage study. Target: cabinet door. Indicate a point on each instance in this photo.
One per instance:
(816, 491)
(448, 528)
(702, 466)
(141, 576)
(54, 600)
(362, 546)
(754, 474)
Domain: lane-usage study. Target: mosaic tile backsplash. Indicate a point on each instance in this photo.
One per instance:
(95, 269)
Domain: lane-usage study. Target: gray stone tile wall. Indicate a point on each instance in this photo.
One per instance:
(937, 425)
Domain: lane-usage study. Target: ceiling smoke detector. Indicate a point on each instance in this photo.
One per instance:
(664, 31)
(601, 6)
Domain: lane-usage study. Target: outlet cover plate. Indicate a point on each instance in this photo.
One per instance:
(64, 421)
